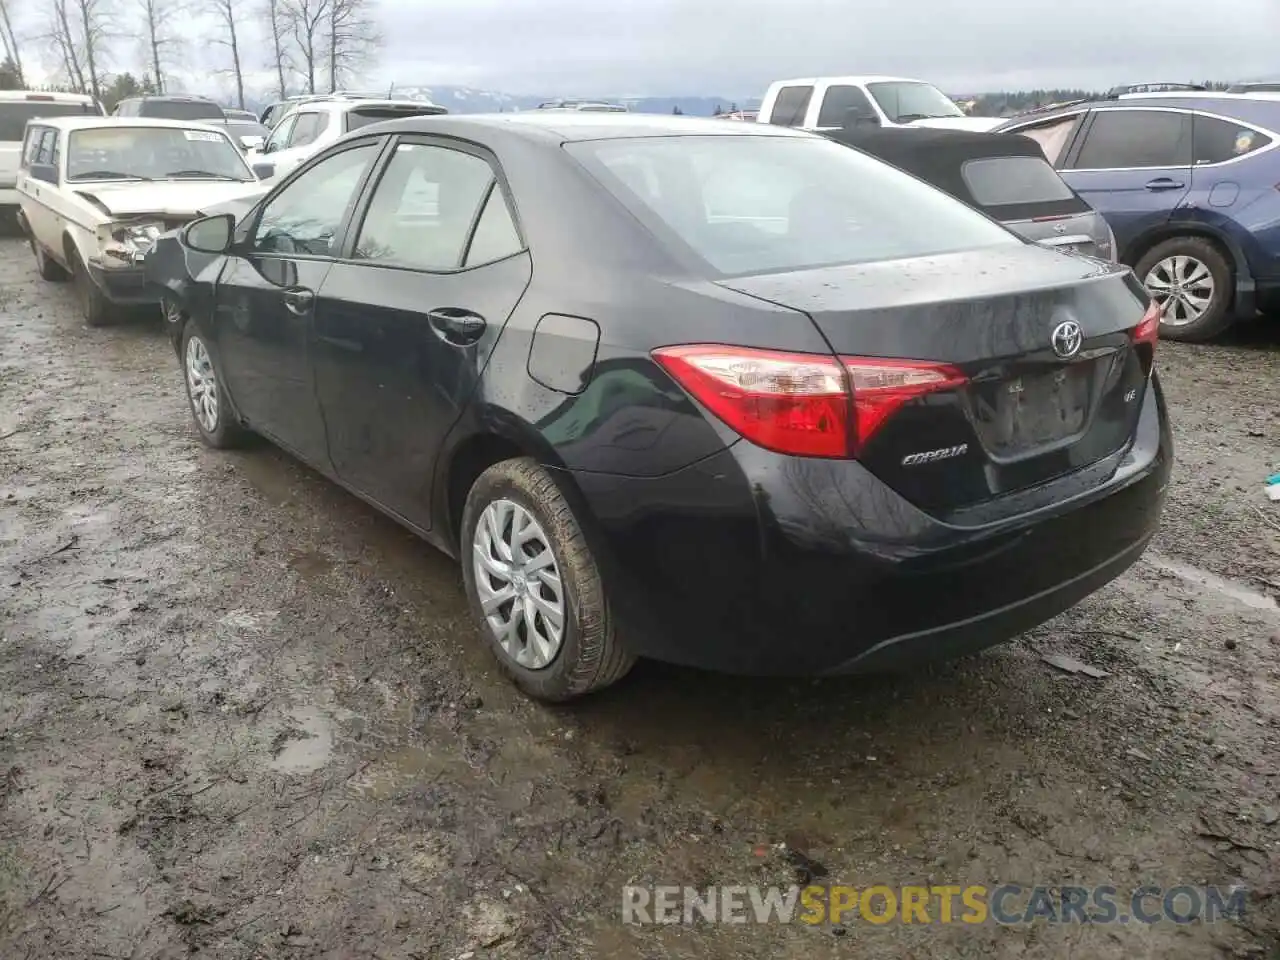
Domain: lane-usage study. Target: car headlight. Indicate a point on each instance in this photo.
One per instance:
(129, 242)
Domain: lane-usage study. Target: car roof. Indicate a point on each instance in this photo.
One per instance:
(1258, 108)
(852, 80)
(36, 96)
(93, 123)
(573, 125)
(181, 97)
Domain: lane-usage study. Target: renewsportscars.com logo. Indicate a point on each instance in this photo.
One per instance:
(1007, 904)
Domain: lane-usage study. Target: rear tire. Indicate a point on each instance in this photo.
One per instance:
(1194, 283)
(96, 309)
(528, 567)
(48, 269)
(211, 409)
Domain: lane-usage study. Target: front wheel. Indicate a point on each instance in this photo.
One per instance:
(96, 309)
(1192, 281)
(534, 586)
(217, 422)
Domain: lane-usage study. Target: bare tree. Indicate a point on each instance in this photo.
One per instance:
(10, 41)
(306, 20)
(67, 43)
(276, 23)
(351, 38)
(91, 19)
(227, 13)
(158, 18)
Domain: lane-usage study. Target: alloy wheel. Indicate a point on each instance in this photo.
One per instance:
(519, 586)
(202, 384)
(1184, 288)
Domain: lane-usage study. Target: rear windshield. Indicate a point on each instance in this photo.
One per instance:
(363, 116)
(14, 114)
(755, 204)
(180, 110)
(999, 181)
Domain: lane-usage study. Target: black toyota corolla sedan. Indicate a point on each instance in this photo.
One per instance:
(727, 395)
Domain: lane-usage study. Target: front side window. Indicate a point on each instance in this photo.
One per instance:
(754, 204)
(153, 153)
(1216, 141)
(906, 100)
(843, 103)
(423, 208)
(305, 216)
(1127, 139)
(280, 135)
(790, 106)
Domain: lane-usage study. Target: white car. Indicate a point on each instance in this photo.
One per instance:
(830, 103)
(95, 192)
(16, 108)
(312, 124)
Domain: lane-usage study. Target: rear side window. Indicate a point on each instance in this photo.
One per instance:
(363, 116)
(423, 208)
(791, 106)
(1001, 181)
(495, 235)
(1119, 139)
(837, 103)
(306, 129)
(1052, 136)
(1216, 141)
(14, 115)
(754, 204)
(31, 147)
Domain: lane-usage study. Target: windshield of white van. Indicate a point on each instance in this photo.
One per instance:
(14, 114)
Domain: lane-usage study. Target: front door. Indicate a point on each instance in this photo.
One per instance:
(407, 319)
(1133, 165)
(266, 299)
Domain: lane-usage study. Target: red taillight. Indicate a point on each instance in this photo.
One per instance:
(1148, 329)
(799, 403)
(882, 386)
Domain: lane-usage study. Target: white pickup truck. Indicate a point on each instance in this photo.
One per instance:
(831, 103)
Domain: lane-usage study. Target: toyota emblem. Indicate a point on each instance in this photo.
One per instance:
(1066, 339)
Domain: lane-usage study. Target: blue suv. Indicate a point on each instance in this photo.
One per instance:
(1190, 184)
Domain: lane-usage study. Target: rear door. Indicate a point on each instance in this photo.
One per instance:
(406, 320)
(1030, 198)
(362, 116)
(1133, 165)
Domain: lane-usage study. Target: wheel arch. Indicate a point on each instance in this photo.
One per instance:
(476, 443)
(1242, 276)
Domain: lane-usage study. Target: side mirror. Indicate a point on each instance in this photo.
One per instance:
(855, 118)
(264, 171)
(209, 234)
(45, 172)
(251, 143)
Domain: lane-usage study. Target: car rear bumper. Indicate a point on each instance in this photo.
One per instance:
(749, 562)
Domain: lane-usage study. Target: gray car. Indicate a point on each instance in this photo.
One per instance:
(1004, 175)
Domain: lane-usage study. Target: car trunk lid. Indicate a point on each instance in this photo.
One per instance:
(1043, 342)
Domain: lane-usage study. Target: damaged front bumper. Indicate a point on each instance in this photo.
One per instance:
(119, 267)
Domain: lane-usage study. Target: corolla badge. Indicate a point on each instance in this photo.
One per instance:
(1066, 339)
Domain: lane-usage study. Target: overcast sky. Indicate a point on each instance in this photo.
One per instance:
(734, 48)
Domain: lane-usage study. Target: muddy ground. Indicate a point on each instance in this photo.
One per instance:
(241, 714)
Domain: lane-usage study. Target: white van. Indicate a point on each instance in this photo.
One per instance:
(831, 103)
(16, 108)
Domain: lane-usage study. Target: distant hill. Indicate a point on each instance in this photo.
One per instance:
(470, 100)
